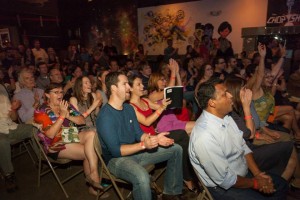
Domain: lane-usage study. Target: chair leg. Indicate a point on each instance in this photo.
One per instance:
(40, 168)
(25, 145)
(58, 180)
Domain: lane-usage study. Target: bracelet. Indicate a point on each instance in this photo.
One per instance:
(85, 114)
(157, 113)
(248, 117)
(142, 145)
(173, 77)
(257, 135)
(255, 184)
(61, 118)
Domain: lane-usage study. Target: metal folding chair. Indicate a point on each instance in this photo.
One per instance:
(19, 147)
(204, 194)
(105, 173)
(52, 164)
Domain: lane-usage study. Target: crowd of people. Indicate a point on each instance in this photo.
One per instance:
(237, 130)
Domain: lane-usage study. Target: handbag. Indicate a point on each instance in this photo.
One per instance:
(70, 135)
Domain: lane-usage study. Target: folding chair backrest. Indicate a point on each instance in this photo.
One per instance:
(204, 194)
(104, 171)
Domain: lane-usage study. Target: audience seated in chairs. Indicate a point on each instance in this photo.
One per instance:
(126, 148)
(10, 131)
(265, 154)
(29, 96)
(143, 110)
(221, 157)
(54, 115)
(261, 82)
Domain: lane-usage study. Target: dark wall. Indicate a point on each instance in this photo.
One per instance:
(71, 20)
(25, 19)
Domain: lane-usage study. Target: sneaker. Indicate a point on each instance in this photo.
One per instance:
(10, 183)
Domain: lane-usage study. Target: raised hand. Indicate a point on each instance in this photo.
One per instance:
(64, 111)
(173, 65)
(163, 140)
(246, 97)
(282, 50)
(262, 50)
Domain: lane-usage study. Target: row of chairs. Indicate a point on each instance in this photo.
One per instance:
(103, 171)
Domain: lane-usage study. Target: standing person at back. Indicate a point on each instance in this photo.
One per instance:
(126, 149)
(170, 51)
(39, 53)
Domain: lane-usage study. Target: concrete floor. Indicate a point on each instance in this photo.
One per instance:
(26, 173)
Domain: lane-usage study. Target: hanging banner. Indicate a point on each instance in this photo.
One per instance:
(283, 13)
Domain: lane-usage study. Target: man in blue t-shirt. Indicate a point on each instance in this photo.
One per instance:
(126, 148)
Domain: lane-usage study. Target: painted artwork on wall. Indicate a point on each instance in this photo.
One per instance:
(166, 24)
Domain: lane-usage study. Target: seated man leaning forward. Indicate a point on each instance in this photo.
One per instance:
(126, 149)
(220, 155)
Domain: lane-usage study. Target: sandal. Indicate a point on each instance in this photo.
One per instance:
(93, 183)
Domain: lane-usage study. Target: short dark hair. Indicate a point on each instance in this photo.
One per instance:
(223, 26)
(112, 78)
(206, 92)
(52, 86)
(131, 79)
(216, 60)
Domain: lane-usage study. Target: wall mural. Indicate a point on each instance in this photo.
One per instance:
(167, 24)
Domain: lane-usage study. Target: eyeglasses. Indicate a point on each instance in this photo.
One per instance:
(162, 79)
(221, 62)
(57, 92)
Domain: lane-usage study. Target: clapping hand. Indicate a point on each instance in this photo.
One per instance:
(173, 65)
(163, 140)
(64, 111)
(96, 102)
(151, 142)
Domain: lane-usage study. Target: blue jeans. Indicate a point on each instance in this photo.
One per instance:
(280, 185)
(130, 168)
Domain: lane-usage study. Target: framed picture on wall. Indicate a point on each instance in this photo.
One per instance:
(4, 37)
